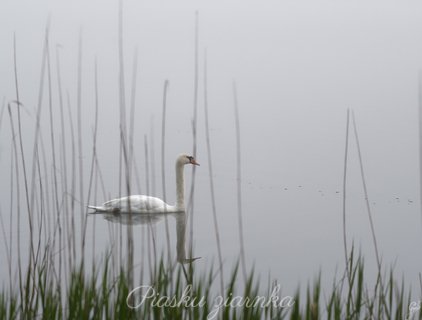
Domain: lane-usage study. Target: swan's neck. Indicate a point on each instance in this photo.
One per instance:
(181, 234)
(180, 187)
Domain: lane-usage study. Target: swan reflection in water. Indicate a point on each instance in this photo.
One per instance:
(146, 218)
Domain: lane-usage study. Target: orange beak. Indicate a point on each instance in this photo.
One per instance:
(193, 161)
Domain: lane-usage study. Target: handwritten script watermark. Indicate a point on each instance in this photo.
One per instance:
(147, 294)
(414, 307)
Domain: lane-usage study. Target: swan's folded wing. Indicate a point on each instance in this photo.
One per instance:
(136, 203)
(146, 203)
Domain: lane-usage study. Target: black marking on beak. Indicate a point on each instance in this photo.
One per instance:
(192, 160)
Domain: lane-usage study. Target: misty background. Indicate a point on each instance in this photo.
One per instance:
(298, 66)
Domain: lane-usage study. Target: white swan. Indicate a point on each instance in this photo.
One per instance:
(147, 204)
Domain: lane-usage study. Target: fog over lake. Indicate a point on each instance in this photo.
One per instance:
(298, 67)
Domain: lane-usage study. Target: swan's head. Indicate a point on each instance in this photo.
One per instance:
(186, 159)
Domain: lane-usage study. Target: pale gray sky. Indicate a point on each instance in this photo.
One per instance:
(298, 66)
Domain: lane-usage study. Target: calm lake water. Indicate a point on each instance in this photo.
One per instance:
(296, 74)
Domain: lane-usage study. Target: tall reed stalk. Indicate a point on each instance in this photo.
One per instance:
(211, 178)
(190, 209)
(239, 182)
(368, 209)
(420, 137)
(80, 147)
(346, 152)
(163, 149)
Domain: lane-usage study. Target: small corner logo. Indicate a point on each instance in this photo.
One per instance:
(414, 307)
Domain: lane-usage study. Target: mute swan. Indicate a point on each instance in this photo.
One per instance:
(147, 204)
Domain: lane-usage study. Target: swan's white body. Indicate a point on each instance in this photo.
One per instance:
(136, 204)
(147, 204)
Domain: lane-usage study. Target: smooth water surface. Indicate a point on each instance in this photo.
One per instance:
(297, 66)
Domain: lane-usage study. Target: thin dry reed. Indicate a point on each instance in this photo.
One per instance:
(190, 208)
(211, 177)
(368, 209)
(163, 171)
(239, 181)
(346, 152)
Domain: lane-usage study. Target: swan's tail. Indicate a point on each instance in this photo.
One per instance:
(97, 209)
(103, 209)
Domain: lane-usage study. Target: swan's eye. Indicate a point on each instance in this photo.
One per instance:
(190, 158)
